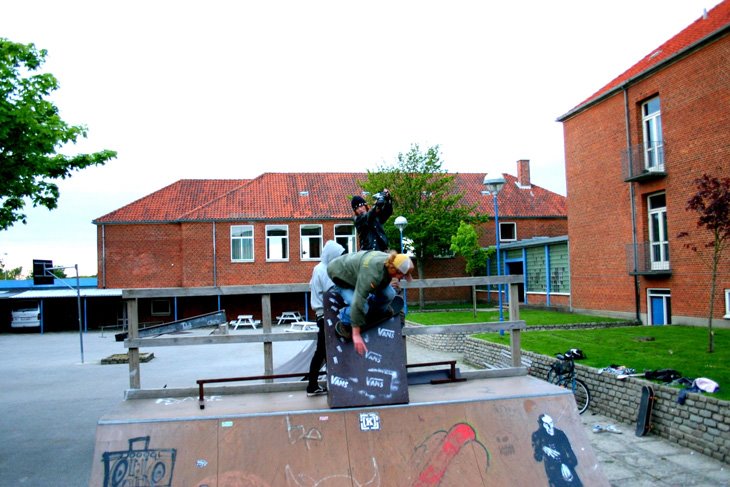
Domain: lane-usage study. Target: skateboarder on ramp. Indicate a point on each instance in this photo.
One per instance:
(366, 281)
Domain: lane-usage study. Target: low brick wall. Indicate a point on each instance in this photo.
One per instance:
(702, 423)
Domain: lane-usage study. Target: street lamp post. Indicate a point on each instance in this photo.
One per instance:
(47, 272)
(494, 186)
(401, 223)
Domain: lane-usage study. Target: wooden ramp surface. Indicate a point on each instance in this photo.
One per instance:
(479, 432)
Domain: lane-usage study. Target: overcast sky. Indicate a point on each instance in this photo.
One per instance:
(233, 89)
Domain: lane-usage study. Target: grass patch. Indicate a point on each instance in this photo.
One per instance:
(682, 348)
(532, 317)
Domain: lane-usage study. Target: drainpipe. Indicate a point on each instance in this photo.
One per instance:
(215, 270)
(637, 287)
(103, 256)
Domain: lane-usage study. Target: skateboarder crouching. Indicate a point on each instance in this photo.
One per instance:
(363, 281)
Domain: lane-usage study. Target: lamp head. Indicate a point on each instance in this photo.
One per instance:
(401, 223)
(493, 185)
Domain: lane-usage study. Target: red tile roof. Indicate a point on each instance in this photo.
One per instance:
(304, 196)
(716, 20)
(173, 201)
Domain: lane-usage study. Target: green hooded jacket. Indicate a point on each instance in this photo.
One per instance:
(364, 272)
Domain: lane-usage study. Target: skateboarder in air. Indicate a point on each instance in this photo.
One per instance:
(363, 281)
(320, 283)
(369, 222)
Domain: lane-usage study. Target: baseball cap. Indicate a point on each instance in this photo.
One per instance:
(404, 265)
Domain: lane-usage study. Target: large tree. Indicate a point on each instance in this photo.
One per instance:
(31, 133)
(426, 195)
(712, 203)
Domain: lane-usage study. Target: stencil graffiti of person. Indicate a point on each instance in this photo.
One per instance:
(552, 447)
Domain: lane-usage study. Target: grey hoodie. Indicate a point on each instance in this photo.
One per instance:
(320, 281)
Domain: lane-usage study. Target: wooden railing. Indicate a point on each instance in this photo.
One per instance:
(133, 343)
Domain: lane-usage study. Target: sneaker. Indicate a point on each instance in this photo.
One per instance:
(343, 330)
(319, 391)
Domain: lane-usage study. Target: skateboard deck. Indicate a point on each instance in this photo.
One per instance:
(643, 421)
(379, 377)
(396, 305)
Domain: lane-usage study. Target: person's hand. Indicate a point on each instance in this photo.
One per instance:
(395, 283)
(550, 452)
(358, 342)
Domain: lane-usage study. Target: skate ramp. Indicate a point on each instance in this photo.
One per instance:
(299, 362)
(479, 432)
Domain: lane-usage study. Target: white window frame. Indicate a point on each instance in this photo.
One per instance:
(239, 240)
(658, 234)
(347, 240)
(514, 232)
(727, 304)
(307, 242)
(280, 242)
(651, 121)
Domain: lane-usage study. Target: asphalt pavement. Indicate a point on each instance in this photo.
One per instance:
(51, 403)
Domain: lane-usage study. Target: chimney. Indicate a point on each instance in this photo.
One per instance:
(523, 173)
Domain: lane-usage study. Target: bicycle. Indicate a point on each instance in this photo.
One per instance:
(562, 373)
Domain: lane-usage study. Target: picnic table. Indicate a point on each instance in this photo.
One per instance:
(302, 326)
(244, 320)
(288, 317)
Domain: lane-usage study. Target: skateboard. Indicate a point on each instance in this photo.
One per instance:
(396, 305)
(643, 421)
(378, 377)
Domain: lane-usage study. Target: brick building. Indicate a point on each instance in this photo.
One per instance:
(633, 151)
(271, 229)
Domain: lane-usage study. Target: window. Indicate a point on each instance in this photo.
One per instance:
(345, 236)
(442, 253)
(651, 117)
(727, 304)
(160, 307)
(311, 242)
(277, 242)
(659, 245)
(242, 243)
(507, 232)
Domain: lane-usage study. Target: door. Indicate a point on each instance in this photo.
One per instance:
(660, 309)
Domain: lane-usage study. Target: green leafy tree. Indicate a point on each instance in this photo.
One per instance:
(31, 133)
(9, 274)
(426, 195)
(466, 244)
(712, 203)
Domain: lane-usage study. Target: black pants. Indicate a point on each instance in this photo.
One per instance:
(319, 357)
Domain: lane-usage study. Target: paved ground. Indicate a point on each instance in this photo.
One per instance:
(51, 403)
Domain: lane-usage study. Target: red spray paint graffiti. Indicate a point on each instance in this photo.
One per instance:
(447, 445)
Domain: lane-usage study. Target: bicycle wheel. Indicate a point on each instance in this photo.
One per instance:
(553, 376)
(580, 392)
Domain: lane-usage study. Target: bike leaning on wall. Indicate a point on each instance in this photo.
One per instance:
(562, 373)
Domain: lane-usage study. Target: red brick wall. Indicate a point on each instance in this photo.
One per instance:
(694, 99)
(140, 256)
